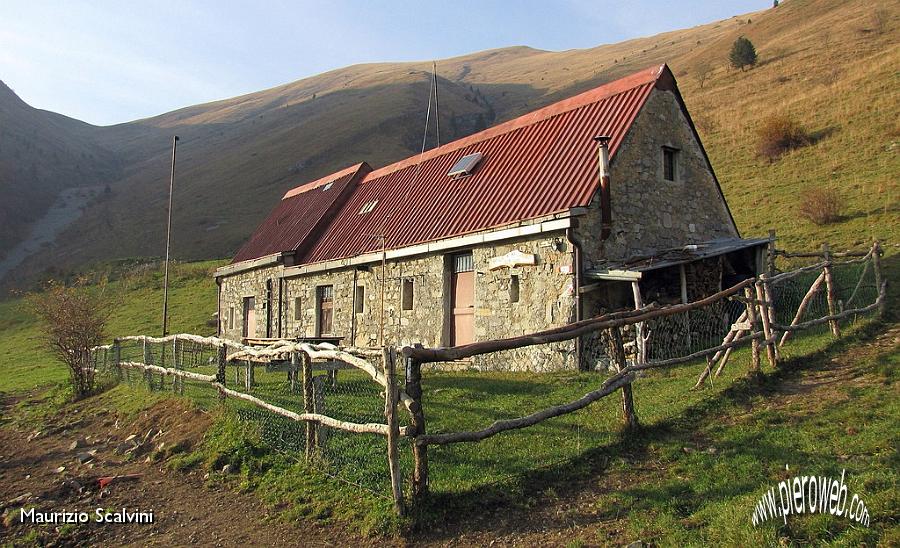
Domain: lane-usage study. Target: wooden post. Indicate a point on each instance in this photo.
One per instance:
(764, 316)
(389, 359)
(804, 303)
(292, 374)
(220, 372)
(829, 287)
(876, 264)
(754, 329)
(732, 335)
(417, 428)
(770, 308)
(682, 274)
(309, 403)
(176, 381)
(148, 376)
(117, 357)
(250, 377)
(628, 415)
(639, 341)
(770, 255)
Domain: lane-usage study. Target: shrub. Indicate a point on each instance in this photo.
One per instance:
(821, 206)
(743, 53)
(779, 134)
(74, 319)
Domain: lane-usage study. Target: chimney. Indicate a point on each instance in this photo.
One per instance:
(605, 211)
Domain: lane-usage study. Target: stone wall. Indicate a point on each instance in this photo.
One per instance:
(235, 288)
(650, 213)
(545, 300)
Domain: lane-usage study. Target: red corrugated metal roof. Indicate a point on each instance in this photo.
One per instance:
(301, 215)
(541, 163)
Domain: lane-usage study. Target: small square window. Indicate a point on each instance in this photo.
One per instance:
(670, 163)
(407, 294)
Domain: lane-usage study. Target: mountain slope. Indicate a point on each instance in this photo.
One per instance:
(828, 64)
(41, 154)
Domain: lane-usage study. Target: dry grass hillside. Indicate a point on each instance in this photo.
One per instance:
(829, 65)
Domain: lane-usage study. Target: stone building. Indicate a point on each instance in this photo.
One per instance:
(586, 205)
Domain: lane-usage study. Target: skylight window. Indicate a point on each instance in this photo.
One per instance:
(368, 207)
(326, 187)
(464, 166)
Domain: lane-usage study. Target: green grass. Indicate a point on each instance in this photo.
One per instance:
(685, 498)
(26, 364)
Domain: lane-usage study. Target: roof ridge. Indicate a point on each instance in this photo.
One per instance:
(590, 96)
(322, 181)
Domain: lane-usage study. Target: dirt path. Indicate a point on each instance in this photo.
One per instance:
(43, 470)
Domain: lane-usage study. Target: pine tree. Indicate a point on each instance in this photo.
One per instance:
(742, 53)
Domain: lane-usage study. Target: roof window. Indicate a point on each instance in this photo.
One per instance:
(326, 187)
(368, 207)
(464, 166)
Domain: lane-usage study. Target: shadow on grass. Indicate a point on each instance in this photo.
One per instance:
(446, 509)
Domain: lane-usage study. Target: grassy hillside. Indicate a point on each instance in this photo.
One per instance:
(24, 362)
(828, 64)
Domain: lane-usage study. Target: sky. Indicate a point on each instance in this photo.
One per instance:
(107, 62)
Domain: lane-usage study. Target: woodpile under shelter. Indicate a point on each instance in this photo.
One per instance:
(598, 202)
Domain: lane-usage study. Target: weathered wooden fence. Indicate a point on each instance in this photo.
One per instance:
(757, 326)
(761, 324)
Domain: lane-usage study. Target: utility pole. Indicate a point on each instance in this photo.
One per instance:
(168, 242)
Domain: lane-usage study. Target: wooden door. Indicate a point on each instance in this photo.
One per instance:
(326, 310)
(462, 300)
(249, 330)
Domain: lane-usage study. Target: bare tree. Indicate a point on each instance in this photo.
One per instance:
(704, 71)
(74, 319)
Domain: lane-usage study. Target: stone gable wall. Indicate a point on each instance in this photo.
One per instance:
(650, 213)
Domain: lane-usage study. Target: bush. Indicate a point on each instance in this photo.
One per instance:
(821, 206)
(74, 321)
(742, 54)
(779, 134)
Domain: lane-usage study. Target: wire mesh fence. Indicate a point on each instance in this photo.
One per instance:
(665, 350)
(339, 391)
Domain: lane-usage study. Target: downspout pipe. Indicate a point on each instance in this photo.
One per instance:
(576, 247)
(605, 209)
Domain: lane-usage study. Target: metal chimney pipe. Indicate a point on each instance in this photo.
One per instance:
(605, 210)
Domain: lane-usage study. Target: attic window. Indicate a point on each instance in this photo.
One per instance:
(326, 187)
(670, 163)
(368, 207)
(464, 166)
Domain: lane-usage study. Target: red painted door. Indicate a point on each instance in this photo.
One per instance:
(462, 300)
